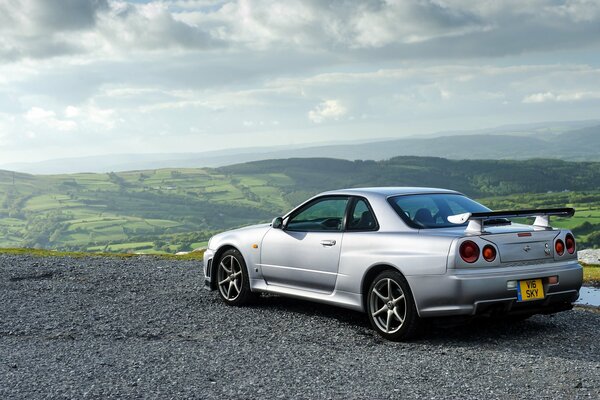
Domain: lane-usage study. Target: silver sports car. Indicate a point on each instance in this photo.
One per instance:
(401, 255)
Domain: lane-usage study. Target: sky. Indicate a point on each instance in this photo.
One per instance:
(89, 77)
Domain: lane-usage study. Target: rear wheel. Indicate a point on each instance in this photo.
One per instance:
(232, 279)
(391, 307)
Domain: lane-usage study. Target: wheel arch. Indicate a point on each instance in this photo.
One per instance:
(216, 259)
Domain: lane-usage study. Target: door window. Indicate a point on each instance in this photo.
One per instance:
(362, 218)
(322, 215)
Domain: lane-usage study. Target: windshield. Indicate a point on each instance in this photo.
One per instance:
(432, 210)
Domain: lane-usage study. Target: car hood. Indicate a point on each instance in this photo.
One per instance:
(251, 227)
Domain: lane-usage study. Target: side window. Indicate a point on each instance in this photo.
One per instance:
(361, 218)
(420, 209)
(323, 215)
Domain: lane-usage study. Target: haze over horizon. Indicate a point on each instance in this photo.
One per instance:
(93, 77)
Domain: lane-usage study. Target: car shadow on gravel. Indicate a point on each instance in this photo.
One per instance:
(551, 334)
(312, 309)
(499, 334)
(33, 277)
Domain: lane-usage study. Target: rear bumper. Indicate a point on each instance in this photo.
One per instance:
(484, 291)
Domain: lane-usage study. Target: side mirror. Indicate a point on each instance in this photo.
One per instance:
(277, 223)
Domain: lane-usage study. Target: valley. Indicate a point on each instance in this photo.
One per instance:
(171, 210)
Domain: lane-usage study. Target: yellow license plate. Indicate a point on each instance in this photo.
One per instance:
(531, 289)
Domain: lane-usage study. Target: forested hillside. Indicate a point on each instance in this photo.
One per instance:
(178, 209)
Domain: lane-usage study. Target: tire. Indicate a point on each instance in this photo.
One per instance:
(233, 284)
(391, 308)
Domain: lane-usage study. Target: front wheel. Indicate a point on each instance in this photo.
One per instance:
(232, 279)
(391, 307)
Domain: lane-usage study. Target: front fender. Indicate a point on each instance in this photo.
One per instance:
(246, 240)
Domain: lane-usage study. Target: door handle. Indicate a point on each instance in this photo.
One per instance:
(328, 242)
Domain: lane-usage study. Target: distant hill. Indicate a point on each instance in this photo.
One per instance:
(178, 209)
(572, 142)
(473, 177)
(540, 141)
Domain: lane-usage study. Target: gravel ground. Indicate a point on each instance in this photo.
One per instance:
(145, 328)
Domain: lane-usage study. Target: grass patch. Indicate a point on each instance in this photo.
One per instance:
(591, 273)
(121, 247)
(196, 255)
(54, 253)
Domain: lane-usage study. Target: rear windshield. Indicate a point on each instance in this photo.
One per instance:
(432, 210)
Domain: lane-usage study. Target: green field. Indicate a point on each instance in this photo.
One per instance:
(171, 210)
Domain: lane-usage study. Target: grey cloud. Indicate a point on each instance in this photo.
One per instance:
(133, 27)
(406, 29)
(48, 28)
(34, 17)
(66, 15)
(336, 25)
(42, 29)
(347, 30)
(458, 33)
(421, 21)
(74, 84)
(38, 47)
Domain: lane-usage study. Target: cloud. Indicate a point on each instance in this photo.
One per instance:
(396, 29)
(38, 29)
(71, 112)
(45, 118)
(333, 25)
(403, 29)
(561, 97)
(140, 71)
(89, 114)
(45, 28)
(150, 27)
(409, 22)
(47, 17)
(98, 116)
(6, 120)
(327, 110)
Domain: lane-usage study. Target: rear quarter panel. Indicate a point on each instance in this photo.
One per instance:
(412, 253)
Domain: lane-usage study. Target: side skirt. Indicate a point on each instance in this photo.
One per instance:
(338, 298)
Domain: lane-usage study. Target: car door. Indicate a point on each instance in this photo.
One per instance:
(305, 253)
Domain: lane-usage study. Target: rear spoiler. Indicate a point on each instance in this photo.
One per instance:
(542, 217)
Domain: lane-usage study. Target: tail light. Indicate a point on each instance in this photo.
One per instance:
(469, 251)
(559, 246)
(570, 243)
(489, 253)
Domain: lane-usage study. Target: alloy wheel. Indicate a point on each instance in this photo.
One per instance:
(387, 305)
(229, 276)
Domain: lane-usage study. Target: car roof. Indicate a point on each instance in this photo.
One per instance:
(388, 191)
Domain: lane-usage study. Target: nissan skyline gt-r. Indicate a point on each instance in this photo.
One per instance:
(402, 255)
